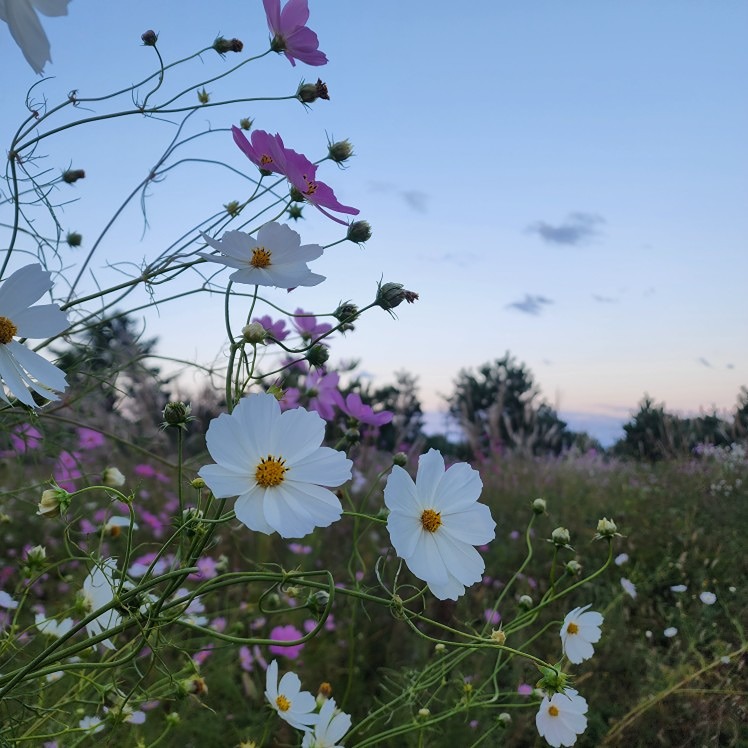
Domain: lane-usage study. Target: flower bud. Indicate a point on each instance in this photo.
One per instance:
(295, 195)
(504, 719)
(574, 567)
(424, 713)
(198, 483)
(149, 38)
(325, 690)
(317, 355)
(553, 680)
(317, 602)
(346, 313)
(400, 459)
(177, 414)
(72, 175)
(390, 295)
(233, 208)
(254, 333)
(36, 556)
(340, 151)
(498, 636)
(245, 123)
(525, 601)
(538, 506)
(74, 239)
(310, 92)
(222, 45)
(294, 211)
(203, 96)
(53, 502)
(112, 477)
(560, 537)
(352, 436)
(359, 232)
(195, 686)
(440, 648)
(606, 528)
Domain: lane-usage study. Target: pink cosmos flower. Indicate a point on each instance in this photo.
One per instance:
(322, 390)
(355, 408)
(264, 150)
(277, 330)
(24, 438)
(89, 439)
(524, 689)
(491, 616)
(307, 326)
(286, 634)
(290, 34)
(302, 174)
(67, 470)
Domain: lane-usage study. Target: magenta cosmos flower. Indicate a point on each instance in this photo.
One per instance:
(302, 174)
(290, 33)
(355, 408)
(264, 150)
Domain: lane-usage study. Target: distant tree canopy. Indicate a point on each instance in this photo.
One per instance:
(654, 434)
(499, 406)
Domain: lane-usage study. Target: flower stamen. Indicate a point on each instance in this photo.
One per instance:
(260, 257)
(311, 187)
(282, 703)
(572, 628)
(7, 330)
(431, 520)
(270, 471)
(553, 710)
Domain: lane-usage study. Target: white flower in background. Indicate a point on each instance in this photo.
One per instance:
(51, 627)
(275, 258)
(561, 718)
(115, 525)
(330, 729)
(708, 598)
(678, 588)
(621, 559)
(22, 370)
(628, 587)
(98, 590)
(295, 706)
(91, 724)
(27, 31)
(435, 522)
(7, 602)
(113, 477)
(274, 464)
(579, 632)
(670, 632)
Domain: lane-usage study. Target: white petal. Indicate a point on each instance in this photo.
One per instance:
(45, 372)
(474, 526)
(224, 482)
(278, 235)
(400, 493)
(325, 467)
(51, 7)
(40, 321)
(228, 446)
(250, 512)
(12, 379)
(23, 288)
(28, 33)
(430, 472)
(458, 488)
(300, 432)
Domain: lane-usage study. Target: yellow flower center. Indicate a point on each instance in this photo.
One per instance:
(270, 471)
(572, 628)
(260, 257)
(283, 703)
(311, 187)
(553, 710)
(265, 159)
(7, 330)
(431, 520)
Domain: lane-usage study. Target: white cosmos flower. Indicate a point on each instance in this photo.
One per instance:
(20, 15)
(275, 258)
(435, 522)
(98, 590)
(6, 601)
(708, 598)
(561, 718)
(274, 464)
(579, 632)
(332, 726)
(51, 627)
(628, 587)
(22, 370)
(295, 706)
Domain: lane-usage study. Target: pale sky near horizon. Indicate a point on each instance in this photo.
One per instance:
(564, 181)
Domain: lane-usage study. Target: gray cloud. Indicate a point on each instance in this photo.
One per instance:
(414, 199)
(604, 299)
(704, 362)
(577, 229)
(531, 304)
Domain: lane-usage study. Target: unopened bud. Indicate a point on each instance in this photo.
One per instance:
(325, 690)
(36, 556)
(525, 601)
(574, 567)
(359, 232)
(54, 502)
(538, 506)
(295, 195)
(254, 333)
(560, 537)
(112, 477)
(309, 92)
(198, 483)
(245, 123)
(340, 151)
(294, 211)
(424, 713)
(346, 313)
(352, 436)
(317, 602)
(317, 355)
(222, 45)
(233, 208)
(390, 295)
(72, 175)
(498, 636)
(73, 239)
(504, 719)
(203, 96)
(177, 414)
(149, 38)
(606, 528)
(400, 459)
(195, 686)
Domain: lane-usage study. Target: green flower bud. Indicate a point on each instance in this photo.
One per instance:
(359, 232)
(72, 175)
(538, 506)
(246, 123)
(294, 211)
(525, 601)
(317, 355)
(553, 680)
(352, 436)
(74, 239)
(198, 483)
(54, 501)
(254, 333)
(149, 38)
(233, 208)
(203, 96)
(177, 414)
(112, 477)
(340, 151)
(606, 528)
(390, 295)
(346, 313)
(504, 719)
(310, 92)
(222, 46)
(296, 195)
(574, 567)
(560, 537)
(400, 459)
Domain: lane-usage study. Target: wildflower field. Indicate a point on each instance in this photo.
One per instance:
(282, 557)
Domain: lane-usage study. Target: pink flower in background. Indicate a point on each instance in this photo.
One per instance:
(290, 33)
(355, 408)
(492, 616)
(302, 174)
(25, 438)
(200, 657)
(249, 658)
(524, 689)
(67, 470)
(276, 330)
(264, 150)
(90, 439)
(322, 390)
(300, 550)
(286, 634)
(144, 471)
(306, 325)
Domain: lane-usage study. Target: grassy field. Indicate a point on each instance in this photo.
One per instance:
(670, 669)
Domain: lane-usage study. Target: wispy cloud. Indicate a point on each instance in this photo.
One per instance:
(578, 228)
(704, 362)
(604, 299)
(414, 199)
(531, 304)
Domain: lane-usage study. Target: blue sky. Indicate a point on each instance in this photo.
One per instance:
(564, 181)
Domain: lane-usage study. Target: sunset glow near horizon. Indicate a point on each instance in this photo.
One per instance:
(565, 182)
